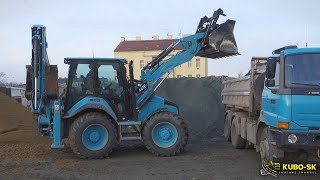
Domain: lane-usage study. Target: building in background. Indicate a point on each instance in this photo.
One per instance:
(143, 51)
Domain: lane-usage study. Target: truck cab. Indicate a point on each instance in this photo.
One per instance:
(291, 99)
(275, 107)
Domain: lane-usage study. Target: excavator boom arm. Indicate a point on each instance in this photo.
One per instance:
(211, 40)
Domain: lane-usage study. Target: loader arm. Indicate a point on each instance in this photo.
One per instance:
(211, 40)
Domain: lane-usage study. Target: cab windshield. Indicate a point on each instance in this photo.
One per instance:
(302, 70)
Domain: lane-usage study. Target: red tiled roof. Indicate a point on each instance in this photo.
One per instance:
(145, 45)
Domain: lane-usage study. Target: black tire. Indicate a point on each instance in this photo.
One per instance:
(269, 152)
(237, 141)
(78, 127)
(227, 127)
(263, 146)
(249, 145)
(177, 122)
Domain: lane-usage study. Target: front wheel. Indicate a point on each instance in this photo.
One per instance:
(268, 151)
(165, 134)
(92, 135)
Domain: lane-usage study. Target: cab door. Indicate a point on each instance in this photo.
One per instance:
(270, 100)
(111, 85)
(80, 82)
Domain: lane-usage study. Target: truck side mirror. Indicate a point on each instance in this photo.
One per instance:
(270, 83)
(271, 68)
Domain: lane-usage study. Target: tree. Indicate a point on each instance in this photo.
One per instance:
(3, 78)
(2, 74)
(240, 74)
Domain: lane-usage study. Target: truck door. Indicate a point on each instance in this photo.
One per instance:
(270, 100)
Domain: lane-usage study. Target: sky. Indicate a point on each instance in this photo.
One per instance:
(78, 28)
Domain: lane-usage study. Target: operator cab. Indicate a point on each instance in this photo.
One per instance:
(98, 77)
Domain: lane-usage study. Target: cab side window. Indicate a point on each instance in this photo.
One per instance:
(277, 75)
(81, 78)
(108, 83)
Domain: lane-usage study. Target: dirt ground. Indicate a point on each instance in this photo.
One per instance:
(204, 159)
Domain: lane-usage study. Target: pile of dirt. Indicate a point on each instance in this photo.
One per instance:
(18, 134)
(199, 101)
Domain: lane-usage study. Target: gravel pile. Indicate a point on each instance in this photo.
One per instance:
(199, 100)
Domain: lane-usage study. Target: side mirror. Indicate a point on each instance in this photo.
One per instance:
(270, 83)
(271, 68)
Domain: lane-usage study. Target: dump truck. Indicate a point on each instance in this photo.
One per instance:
(103, 105)
(275, 107)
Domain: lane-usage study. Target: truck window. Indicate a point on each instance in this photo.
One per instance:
(302, 70)
(277, 75)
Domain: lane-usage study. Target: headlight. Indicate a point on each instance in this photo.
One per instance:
(292, 138)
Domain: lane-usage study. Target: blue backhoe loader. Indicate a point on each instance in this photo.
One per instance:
(102, 106)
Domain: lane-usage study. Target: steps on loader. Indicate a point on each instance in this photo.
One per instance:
(129, 130)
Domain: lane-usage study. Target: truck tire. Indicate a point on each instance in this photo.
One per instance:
(269, 152)
(227, 127)
(92, 135)
(165, 134)
(249, 145)
(237, 141)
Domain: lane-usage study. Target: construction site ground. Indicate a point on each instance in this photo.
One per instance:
(25, 154)
(204, 159)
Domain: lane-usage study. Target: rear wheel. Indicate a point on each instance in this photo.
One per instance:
(92, 135)
(249, 145)
(165, 134)
(237, 141)
(227, 127)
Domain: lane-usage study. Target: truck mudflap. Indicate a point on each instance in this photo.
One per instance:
(294, 139)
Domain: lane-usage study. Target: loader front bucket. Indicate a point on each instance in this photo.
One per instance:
(220, 42)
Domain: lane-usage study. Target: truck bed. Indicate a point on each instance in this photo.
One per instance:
(236, 93)
(244, 93)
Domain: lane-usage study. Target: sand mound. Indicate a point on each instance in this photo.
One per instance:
(199, 100)
(13, 116)
(18, 131)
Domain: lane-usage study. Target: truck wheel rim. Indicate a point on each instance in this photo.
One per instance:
(164, 134)
(95, 137)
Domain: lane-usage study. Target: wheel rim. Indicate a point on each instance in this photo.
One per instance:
(95, 137)
(164, 134)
